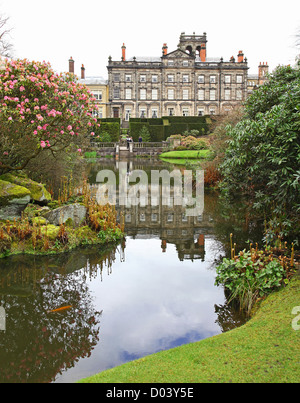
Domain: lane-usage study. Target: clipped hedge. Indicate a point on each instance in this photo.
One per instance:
(110, 126)
(161, 129)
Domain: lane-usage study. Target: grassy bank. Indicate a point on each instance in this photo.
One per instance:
(187, 154)
(265, 350)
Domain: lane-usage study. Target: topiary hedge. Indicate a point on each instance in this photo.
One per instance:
(161, 129)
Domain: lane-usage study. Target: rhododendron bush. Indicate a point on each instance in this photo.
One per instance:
(40, 111)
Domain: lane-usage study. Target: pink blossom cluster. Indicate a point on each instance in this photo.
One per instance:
(36, 101)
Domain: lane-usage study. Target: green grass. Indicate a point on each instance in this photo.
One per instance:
(90, 154)
(187, 154)
(265, 350)
(180, 161)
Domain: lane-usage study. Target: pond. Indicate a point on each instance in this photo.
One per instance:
(153, 292)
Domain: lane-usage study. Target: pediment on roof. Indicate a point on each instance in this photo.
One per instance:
(178, 54)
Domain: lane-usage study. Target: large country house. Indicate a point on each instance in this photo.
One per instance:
(183, 82)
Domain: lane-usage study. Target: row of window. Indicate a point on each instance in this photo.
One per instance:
(153, 112)
(202, 79)
(155, 218)
(202, 94)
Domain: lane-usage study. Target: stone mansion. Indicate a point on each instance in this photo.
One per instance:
(183, 82)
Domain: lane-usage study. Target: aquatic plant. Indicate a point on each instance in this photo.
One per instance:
(254, 274)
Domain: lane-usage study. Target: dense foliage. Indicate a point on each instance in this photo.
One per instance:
(253, 274)
(262, 161)
(40, 111)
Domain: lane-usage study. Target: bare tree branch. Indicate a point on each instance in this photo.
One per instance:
(6, 46)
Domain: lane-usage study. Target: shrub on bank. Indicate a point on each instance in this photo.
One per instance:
(254, 274)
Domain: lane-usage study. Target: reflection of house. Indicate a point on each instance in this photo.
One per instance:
(171, 225)
(155, 218)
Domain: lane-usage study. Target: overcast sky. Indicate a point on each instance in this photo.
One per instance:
(92, 30)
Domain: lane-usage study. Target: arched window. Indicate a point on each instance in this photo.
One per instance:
(189, 49)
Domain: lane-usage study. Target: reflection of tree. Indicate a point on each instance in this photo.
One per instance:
(38, 345)
(229, 316)
(232, 218)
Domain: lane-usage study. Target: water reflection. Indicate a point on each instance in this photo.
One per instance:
(37, 343)
(153, 292)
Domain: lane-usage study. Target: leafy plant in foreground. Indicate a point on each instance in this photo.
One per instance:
(254, 274)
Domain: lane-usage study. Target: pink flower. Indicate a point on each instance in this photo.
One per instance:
(93, 134)
(79, 150)
(22, 88)
(43, 144)
(35, 132)
(10, 118)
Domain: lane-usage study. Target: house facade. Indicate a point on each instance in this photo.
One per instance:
(183, 82)
(256, 80)
(98, 86)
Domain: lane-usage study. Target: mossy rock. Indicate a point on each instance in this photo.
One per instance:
(13, 194)
(39, 221)
(13, 200)
(76, 212)
(69, 223)
(85, 233)
(52, 231)
(34, 210)
(37, 190)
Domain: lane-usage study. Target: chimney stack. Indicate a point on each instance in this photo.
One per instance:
(263, 71)
(203, 52)
(123, 52)
(71, 66)
(82, 72)
(165, 49)
(240, 57)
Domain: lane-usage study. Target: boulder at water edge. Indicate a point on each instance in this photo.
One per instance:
(74, 212)
(13, 200)
(38, 192)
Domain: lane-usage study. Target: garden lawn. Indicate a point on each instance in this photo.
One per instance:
(180, 161)
(264, 350)
(187, 154)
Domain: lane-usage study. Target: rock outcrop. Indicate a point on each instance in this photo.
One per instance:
(13, 200)
(74, 212)
(38, 192)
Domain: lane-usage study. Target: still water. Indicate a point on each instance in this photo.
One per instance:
(155, 291)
